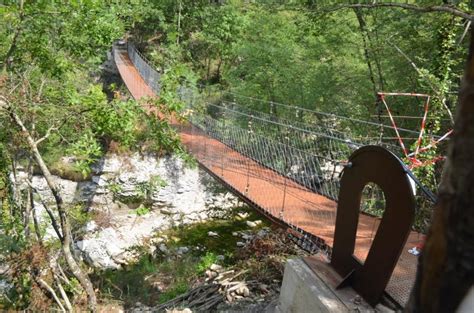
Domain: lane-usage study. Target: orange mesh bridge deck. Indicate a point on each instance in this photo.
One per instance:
(275, 194)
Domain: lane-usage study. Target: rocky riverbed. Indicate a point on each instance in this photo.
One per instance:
(153, 229)
(130, 198)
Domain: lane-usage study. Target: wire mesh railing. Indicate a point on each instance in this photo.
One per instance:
(286, 161)
(311, 155)
(145, 68)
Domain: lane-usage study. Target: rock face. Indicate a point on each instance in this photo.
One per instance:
(134, 196)
(165, 184)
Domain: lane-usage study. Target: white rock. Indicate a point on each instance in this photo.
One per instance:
(187, 196)
(182, 250)
(251, 224)
(262, 233)
(151, 249)
(211, 274)
(243, 291)
(163, 248)
(91, 226)
(186, 310)
(243, 215)
(166, 211)
(215, 267)
(240, 244)
(247, 237)
(96, 255)
(212, 234)
(157, 240)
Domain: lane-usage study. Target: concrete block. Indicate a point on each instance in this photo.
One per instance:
(308, 289)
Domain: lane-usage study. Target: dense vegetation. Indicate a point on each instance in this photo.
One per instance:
(55, 102)
(325, 57)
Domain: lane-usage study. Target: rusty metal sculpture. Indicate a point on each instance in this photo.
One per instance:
(372, 164)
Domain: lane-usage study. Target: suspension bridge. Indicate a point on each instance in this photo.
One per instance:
(287, 169)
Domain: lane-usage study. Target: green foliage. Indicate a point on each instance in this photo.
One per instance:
(373, 200)
(197, 234)
(293, 52)
(178, 289)
(50, 54)
(142, 210)
(306, 54)
(54, 35)
(129, 284)
(116, 120)
(206, 261)
(115, 188)
(72, 285)
(18, 297)
(78, 216)
(86, 151)
(134, 282)
(175, 274)
(157, 181)
(12, 238)
(177, 76)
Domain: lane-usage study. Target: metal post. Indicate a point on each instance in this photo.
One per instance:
(248, 159)
(284, 198)
(205, 141)
(223, 149)
(284, 188)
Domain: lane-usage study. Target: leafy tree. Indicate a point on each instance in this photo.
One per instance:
(51, 106)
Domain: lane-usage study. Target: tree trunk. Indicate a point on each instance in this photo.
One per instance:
(66, 240)
(365, 39)
(29, 203)
(7, 62)
(446, 267)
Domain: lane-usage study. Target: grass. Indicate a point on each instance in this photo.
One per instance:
(160, 278)
(142, 210)
(149, 280)
(206, 261)
(69, 171)
(225, 243)
(130, 284)
(178, 289)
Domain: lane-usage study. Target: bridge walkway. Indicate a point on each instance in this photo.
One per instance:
(276, 195)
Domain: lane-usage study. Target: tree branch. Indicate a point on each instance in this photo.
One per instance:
(7, 62)
(66, 300)
(48, 132)
(45, 286)
(54, 223)
(412, 7)
(440, 96)
(466, 29)
(63, 219)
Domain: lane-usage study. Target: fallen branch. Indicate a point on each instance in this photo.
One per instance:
(66, 300)
(206, 296)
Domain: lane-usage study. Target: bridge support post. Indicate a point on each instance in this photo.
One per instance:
(311, 288)
(377, 165)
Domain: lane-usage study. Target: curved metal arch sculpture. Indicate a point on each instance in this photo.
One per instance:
(372, 164)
